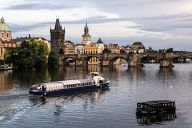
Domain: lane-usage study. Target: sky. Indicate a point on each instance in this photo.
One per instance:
(156, 23)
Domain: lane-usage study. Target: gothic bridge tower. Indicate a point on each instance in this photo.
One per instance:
(57, 38)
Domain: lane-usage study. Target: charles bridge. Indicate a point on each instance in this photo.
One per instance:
(165, 59)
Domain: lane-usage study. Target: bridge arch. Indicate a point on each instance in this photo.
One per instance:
(111, 61)
(67, 60)
(149, 59)
(91, 59)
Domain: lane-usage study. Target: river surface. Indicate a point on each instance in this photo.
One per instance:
(112, 108)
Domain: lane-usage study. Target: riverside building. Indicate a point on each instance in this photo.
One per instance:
(5, 38)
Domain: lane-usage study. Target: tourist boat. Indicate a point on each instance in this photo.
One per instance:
(155, 107)
(94, 81)
(6, 67)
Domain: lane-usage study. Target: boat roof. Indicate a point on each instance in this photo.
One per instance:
(156, 102)
(51, 84)
(68, 82)
(65, 82)
(85, 80)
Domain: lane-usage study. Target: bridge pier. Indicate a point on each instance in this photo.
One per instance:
(166, 63)
(135, 61)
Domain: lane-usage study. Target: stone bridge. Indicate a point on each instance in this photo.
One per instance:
(167, 59)
(133, 59)
(84, 58)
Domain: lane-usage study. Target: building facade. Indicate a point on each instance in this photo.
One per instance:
(69, 47)
(114, 48)
(91, 48)
(79, 49)
(5, 31)
(100, 46)
(5, 38)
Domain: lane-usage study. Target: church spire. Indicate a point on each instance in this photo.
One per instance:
(86, 29)
(86, 36)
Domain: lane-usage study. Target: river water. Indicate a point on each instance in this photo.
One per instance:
(112, 108)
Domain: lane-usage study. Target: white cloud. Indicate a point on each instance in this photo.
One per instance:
(158, 20)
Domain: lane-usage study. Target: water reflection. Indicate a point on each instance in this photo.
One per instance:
(88, 96)
(135, 73)
(155, 119)
(166, 74)
(5, 80)
(97, 108)
(30, 75)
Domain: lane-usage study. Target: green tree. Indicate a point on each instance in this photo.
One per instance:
(53, 60)
(31, 53)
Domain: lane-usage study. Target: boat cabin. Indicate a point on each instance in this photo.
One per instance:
(92, 74)
(159, 106)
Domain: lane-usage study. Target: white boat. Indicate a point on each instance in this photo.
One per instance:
(70, 86)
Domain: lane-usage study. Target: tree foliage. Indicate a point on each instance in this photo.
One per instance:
(53, 60)
(31, 53)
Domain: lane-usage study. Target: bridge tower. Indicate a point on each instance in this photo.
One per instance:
(57, 38)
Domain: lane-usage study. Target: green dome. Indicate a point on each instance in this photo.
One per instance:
(4, 26)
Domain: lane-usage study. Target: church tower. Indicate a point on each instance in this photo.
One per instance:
(57, 37)
(86, 36)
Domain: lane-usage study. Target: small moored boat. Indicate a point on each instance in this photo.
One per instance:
(70, 86)
(155, 107)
